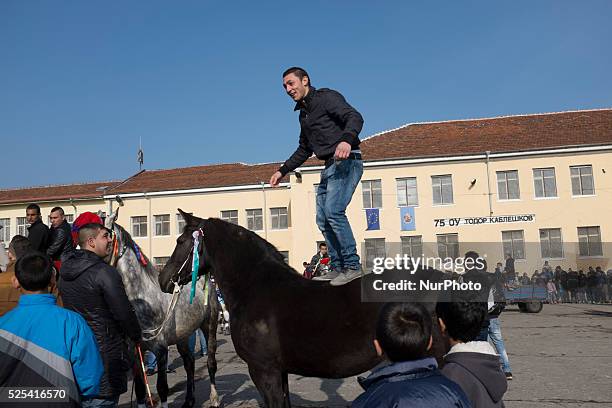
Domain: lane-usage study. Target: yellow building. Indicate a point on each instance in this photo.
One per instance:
(536, 186)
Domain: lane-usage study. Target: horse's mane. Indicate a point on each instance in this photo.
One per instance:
(266, 250)
(129, 242)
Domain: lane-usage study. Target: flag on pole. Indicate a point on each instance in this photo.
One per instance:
(373, 219)
(140, 154)
(407, 219)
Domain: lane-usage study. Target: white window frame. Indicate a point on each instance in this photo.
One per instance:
(5, 232)
(541, 179)
(580, 178)
(404, 198)
(437, 186)
(160, 222)
(229, 216)
(140, 223)
(277, 214)
(445, 244)
(514, 241)
(371, 192)
(503, 185)
(581, 236)
(253, 214)
(22, 226)
(548, 243)
(408, 242)
(369, 257)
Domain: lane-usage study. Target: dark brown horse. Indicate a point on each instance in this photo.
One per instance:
(281, 322)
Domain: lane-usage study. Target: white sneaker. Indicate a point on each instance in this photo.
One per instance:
(347, 276)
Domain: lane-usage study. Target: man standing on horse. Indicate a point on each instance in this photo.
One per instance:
(330, 128)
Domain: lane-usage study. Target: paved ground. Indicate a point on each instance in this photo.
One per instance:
(561, 357)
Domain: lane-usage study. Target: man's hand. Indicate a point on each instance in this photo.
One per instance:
(275, 179)
(342, 151)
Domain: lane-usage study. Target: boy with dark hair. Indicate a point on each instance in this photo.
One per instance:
(473, 365)
(403, 335)
(9, 296)
(44, 345)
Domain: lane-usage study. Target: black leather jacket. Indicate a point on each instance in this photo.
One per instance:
(326, 119)
(94, 289)
(60, 243)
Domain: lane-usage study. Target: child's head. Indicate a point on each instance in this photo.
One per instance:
(403, 331)
(33, 272)
(461, 320)
(18, 246)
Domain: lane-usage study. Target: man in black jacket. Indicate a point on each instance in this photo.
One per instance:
(38, 232)
(329, 128)
(94, 289)
(60, 243)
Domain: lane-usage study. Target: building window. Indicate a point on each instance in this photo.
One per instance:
(279, 218)
(551, 243)
(582, 180)
(255, 219)
(407, 192)
(372, 193)
(162, 225)
(514, 244)
(374, 248)
(412, 246)
(442, 189)
(448, 246)
(508, 185)
(22, 226)
(285, 255)
(139, 226)
(160, 261)
(589, 241)
(544, 183)
(5, 231)
(230, 216)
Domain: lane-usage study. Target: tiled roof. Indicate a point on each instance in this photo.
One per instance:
(54, 193)
(418, 140)
(218, 175)
(503, 134)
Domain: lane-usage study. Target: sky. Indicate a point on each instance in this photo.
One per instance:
(200, 81)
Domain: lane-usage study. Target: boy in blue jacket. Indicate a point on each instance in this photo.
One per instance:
(403, 335)
(44, 345)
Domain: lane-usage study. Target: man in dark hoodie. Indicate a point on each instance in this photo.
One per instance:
(403, 335)
(94, 289)
(471, 364)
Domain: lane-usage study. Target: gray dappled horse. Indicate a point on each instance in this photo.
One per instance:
(281, 322)
(151, 306)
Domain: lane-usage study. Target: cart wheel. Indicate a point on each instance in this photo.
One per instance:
(533, 307)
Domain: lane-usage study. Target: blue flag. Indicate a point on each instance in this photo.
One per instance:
(373, 219)
(407, 220)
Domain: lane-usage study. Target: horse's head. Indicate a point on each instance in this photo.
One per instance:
(120, 236)
(179, 268)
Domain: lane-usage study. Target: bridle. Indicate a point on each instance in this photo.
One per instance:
(117, 253)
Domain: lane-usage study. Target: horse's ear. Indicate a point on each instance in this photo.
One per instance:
(110, 220)
(189, 219)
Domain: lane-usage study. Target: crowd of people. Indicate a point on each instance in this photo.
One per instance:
(571, 286)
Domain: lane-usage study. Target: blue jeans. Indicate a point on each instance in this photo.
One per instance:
(203, 344)
(338, 183)
(150, 360)
(94, 402)
(495, 336)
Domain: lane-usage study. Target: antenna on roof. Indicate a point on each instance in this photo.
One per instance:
(140, 154)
